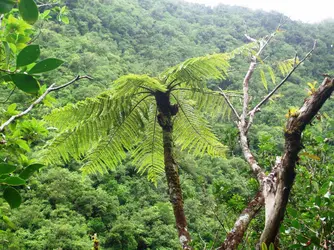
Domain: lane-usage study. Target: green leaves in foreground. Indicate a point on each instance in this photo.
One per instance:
(30, 170)
(6, 6)
(12, 196)
(29, 11)
(26, 83)
(46, 65)
(264, 246)
(28, 55)
(6, 169)
(27, 8)
(8, 180)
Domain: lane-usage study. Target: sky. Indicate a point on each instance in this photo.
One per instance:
(310, 11)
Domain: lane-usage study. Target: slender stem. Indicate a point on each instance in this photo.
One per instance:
(229, 103)
(265, 99)
(171, 168)
(40, 99)
(235, 236)
(10, 94)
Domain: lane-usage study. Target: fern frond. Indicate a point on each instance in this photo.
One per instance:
(193, 72)
(132, 84)
(209, 102)
(286, 65)
(263, 79)
(272, 74)
(244, 50)
(122, 137)
(120, 125)
(149, 154)
(72, 114)
(193, 133)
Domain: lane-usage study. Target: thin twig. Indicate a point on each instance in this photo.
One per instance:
(10, 94)
(40, 99)
(265, 99)
(35, 38)
(229, 103)
(207, 93)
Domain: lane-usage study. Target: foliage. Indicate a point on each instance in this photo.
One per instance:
(108, 39)
(102, 127)
(18, 69)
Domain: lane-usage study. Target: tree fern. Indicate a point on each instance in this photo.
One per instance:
(101, 131)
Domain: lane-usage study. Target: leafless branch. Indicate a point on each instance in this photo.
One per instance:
(265, 99)
(40, 99)
(286, 170)
(234, 237)
(229, 103)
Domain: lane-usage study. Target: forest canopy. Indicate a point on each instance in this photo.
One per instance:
(197, 57)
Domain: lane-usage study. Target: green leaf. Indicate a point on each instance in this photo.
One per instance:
(65, 19)
(8, 51)
(302, 239)
(6, 168)
(8, 222)
(29, 11)
(317, 201)
(263, 79)
(272, 74)
(12, 196)
(62, 10)
(264, 246)
(294, 246)
(11, 110)
(295, 224)
(46, 65)
(6, 6)
(28, 55)
(292, 212)
(271, 247)
(13, 181)
(30, 170)
(26, 83)
(22, 144)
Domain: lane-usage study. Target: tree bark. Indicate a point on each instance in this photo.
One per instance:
(285, 171)
(166, 111)
(235, 236)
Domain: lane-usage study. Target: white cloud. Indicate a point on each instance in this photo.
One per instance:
(304, 10)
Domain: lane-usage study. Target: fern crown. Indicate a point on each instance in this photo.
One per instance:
(102, 131)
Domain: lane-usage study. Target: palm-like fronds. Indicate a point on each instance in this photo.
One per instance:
(98, 134)
(133, 84)
(102, 131)
(149, 154)
(193, 72)
(123, 136)
(193, 133)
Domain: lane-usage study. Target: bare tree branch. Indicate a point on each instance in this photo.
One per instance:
(229, 103)
(265, 99)
(234, 237)
(286, 169)
(40, 99)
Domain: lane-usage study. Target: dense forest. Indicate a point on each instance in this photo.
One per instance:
(125, 203)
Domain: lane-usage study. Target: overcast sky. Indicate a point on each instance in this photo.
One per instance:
(304, 10)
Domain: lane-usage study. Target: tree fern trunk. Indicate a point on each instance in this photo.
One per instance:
(166, 111)
(174, 189)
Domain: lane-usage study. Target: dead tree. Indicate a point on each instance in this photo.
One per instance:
(275, 187)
